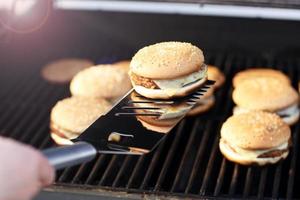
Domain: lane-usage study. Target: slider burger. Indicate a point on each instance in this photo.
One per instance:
(255, 137)
(204, 103)
(215, 74)
(259, 72)
(208, 99)
(71, 116)
(101, 81)
(267, 94)
(167, 70)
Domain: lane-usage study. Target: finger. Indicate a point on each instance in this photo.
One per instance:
(47, 173)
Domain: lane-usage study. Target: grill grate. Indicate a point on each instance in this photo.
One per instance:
(188, 163)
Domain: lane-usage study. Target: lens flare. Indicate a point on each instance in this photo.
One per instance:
(18, 7)
(24, 16)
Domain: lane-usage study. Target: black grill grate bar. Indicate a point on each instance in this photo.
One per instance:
(23, 92)
(92, 174)
(108, 171)
(38, 134)
(199, 156)
(42, 115)
(21, 124)
(248, 182)
(185, 157)
(124, 167)
(170, 156)
(292, 169)
(5, 115)
(20, 112)
(16, 87)
(45, 142)
(209, 167)
(135, 172)
(153, 164)
(79, 173)
(277, 179)
(262, 183)
(234, 178)
(220, 179)
(66, 172)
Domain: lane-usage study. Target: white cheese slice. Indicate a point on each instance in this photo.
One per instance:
(252, 154)
(171, 86)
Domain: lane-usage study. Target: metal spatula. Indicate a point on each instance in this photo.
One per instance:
(122, 130)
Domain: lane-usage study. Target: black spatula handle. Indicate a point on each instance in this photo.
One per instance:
(68, 156)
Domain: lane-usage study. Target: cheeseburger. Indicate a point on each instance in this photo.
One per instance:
(259, 72)
(101, 81)
(267, 94)
(258, 138)
(71, 116)
(168, 69)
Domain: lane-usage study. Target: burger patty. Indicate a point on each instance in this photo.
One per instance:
(143, 81)
(272, 154)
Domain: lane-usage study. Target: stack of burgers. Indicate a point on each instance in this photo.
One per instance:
(259, 132)
(94, 89)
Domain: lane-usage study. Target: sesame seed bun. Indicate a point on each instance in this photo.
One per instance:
(167, 60)
(71, 116)
(213, 73)
(264, 93)
(255, 130)
(259, 72)
(63, 70)
(289, 115)
(101, 81)
(164, 94)
(124, 64)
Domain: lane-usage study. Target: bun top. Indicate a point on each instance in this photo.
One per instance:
(259, 72)
(77, 113)
(167, 60)
(264, 93)
(255, 130)
(213, 73)
(102, 81)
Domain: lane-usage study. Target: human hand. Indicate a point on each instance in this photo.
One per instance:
(23, 171)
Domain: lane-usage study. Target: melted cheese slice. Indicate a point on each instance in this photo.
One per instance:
(287, 111)
(171, 86)
(253, 154)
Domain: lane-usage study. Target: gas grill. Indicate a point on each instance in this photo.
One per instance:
(188, 164)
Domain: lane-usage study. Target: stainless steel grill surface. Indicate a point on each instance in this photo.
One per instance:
(188, 163)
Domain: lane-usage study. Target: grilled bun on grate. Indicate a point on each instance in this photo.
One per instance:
(101, 81)
(71, 116)
(168, 69)
(255, 137)
(213, 73)
(62, 71)
(259, 72)
(264, 93)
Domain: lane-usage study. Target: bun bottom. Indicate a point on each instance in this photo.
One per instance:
(60, 140)
(163, 94)
(203, 107)
(234, 157)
